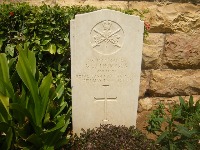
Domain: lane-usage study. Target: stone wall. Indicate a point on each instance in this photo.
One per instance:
(171, 53)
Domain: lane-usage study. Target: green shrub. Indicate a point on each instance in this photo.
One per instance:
(110, 137)
(32, 110)
(181, 125)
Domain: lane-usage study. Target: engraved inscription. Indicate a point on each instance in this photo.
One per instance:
(107, 37)
(105, 99)
(100, 71)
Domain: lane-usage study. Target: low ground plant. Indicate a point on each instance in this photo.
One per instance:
(179, 128)
(110, 137)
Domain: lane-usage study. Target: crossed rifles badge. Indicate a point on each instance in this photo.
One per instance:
(107, 37)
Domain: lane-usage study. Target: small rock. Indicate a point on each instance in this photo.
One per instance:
(146, 103)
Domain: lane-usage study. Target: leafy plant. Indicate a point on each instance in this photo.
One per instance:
(111, 137)
(181, 125)
(32, 111)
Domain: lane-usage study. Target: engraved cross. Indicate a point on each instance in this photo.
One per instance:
(105, 99)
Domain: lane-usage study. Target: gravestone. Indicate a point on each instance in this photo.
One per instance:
(106, 54)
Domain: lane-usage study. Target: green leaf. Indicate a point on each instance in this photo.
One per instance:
(9, 136)
(60, 90)
(11, 61)
(23, 111)
(26, 70)
(45, 42)
(59, 125)
(1, 44)
(62, 142)
(29, 55)
(4, 127)
(44, 92)
(162, 136)
(52, 48)
(47, 147)
(35, 139)
(24, 130)
(10, 49)
(185, 131)
(52, 94)
(182, 101)
(176, 112)
(191, 102)
(190, 146)
(197, 105)
(61, 109)
(4, 72)
(60, 51)
(4, 112)
(6, 88)
(67, 119)
(66, 39)
(53, 136)
(37, 41)
(47, 118)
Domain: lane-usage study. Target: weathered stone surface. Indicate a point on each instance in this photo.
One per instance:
(174, 82)
(152, 51)
(152, 102)
(144, 83)
(97, 3)
(55, 2)
(69, 2)
(170, 17)
(182, 51)
(104, 4)
(145, 104)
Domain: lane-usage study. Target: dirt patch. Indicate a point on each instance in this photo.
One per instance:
(142, 123)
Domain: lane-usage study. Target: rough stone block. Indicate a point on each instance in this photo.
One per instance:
(106, 4)
(69, 2)
(182, 51)
(145, 104)
(170, 17)
(149, 103)
(144, 83)
(152, 51)
(174, 82)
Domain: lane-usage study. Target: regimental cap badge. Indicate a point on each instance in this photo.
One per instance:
(107, 25)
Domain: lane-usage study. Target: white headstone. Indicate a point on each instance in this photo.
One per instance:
(106, 54)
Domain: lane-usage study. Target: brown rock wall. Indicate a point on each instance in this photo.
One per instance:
(104, 4)
(144, 83)
(182, 51)
(149, 103)
(166, 83)
(152, 51)
(170, 17)
(123, 4)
